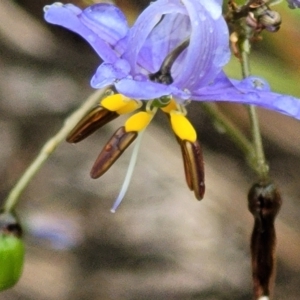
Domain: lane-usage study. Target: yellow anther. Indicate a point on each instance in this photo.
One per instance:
(171, 106)
(129, 107)
(138, 121)
(182, 127)
(115, 102)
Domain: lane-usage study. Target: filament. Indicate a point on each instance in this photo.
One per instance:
(128, 173)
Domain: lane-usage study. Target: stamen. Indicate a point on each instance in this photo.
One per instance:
(129, 173)
(119, 142)
(194, 167)
(131, 106)
(110, 108)
(115, 102)
(112, 151)
(182, 127)
(138, 121)
(95, 119)
(186, 165)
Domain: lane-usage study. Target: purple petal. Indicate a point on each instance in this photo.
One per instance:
(148, 47)
(214, 7)
(107, 21)
(146, 90)
(208, 51)
(145, 23)
(176, 27)
(68, 16)
(108, 73)
(252, 90)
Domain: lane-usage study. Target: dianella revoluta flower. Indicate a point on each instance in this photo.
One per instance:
(174, 53)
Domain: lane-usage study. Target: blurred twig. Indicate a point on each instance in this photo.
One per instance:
(48, 149)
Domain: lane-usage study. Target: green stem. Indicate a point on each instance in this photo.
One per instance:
(245, 59)
(260, 164)
(14, 195)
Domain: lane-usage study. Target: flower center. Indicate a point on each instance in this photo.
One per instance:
(134, 127)
(116, 104)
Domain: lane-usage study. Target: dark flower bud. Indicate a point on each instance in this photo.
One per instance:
(271, 20)
(264, 202)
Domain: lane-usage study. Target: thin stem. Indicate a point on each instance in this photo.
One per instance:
(50, 146)
(262, 203)
(261, 165)
(245, 59)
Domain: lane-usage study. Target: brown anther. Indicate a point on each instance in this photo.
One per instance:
(188, 175)
(112, 151)
(95, 119)
(193, 167)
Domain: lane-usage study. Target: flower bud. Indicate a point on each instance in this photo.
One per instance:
(271, 20)
(264, 200)
(11, 251)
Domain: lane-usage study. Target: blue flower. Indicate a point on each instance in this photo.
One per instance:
(133, 58)
(173, 53)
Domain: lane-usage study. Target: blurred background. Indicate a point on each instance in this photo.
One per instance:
(161, 243)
